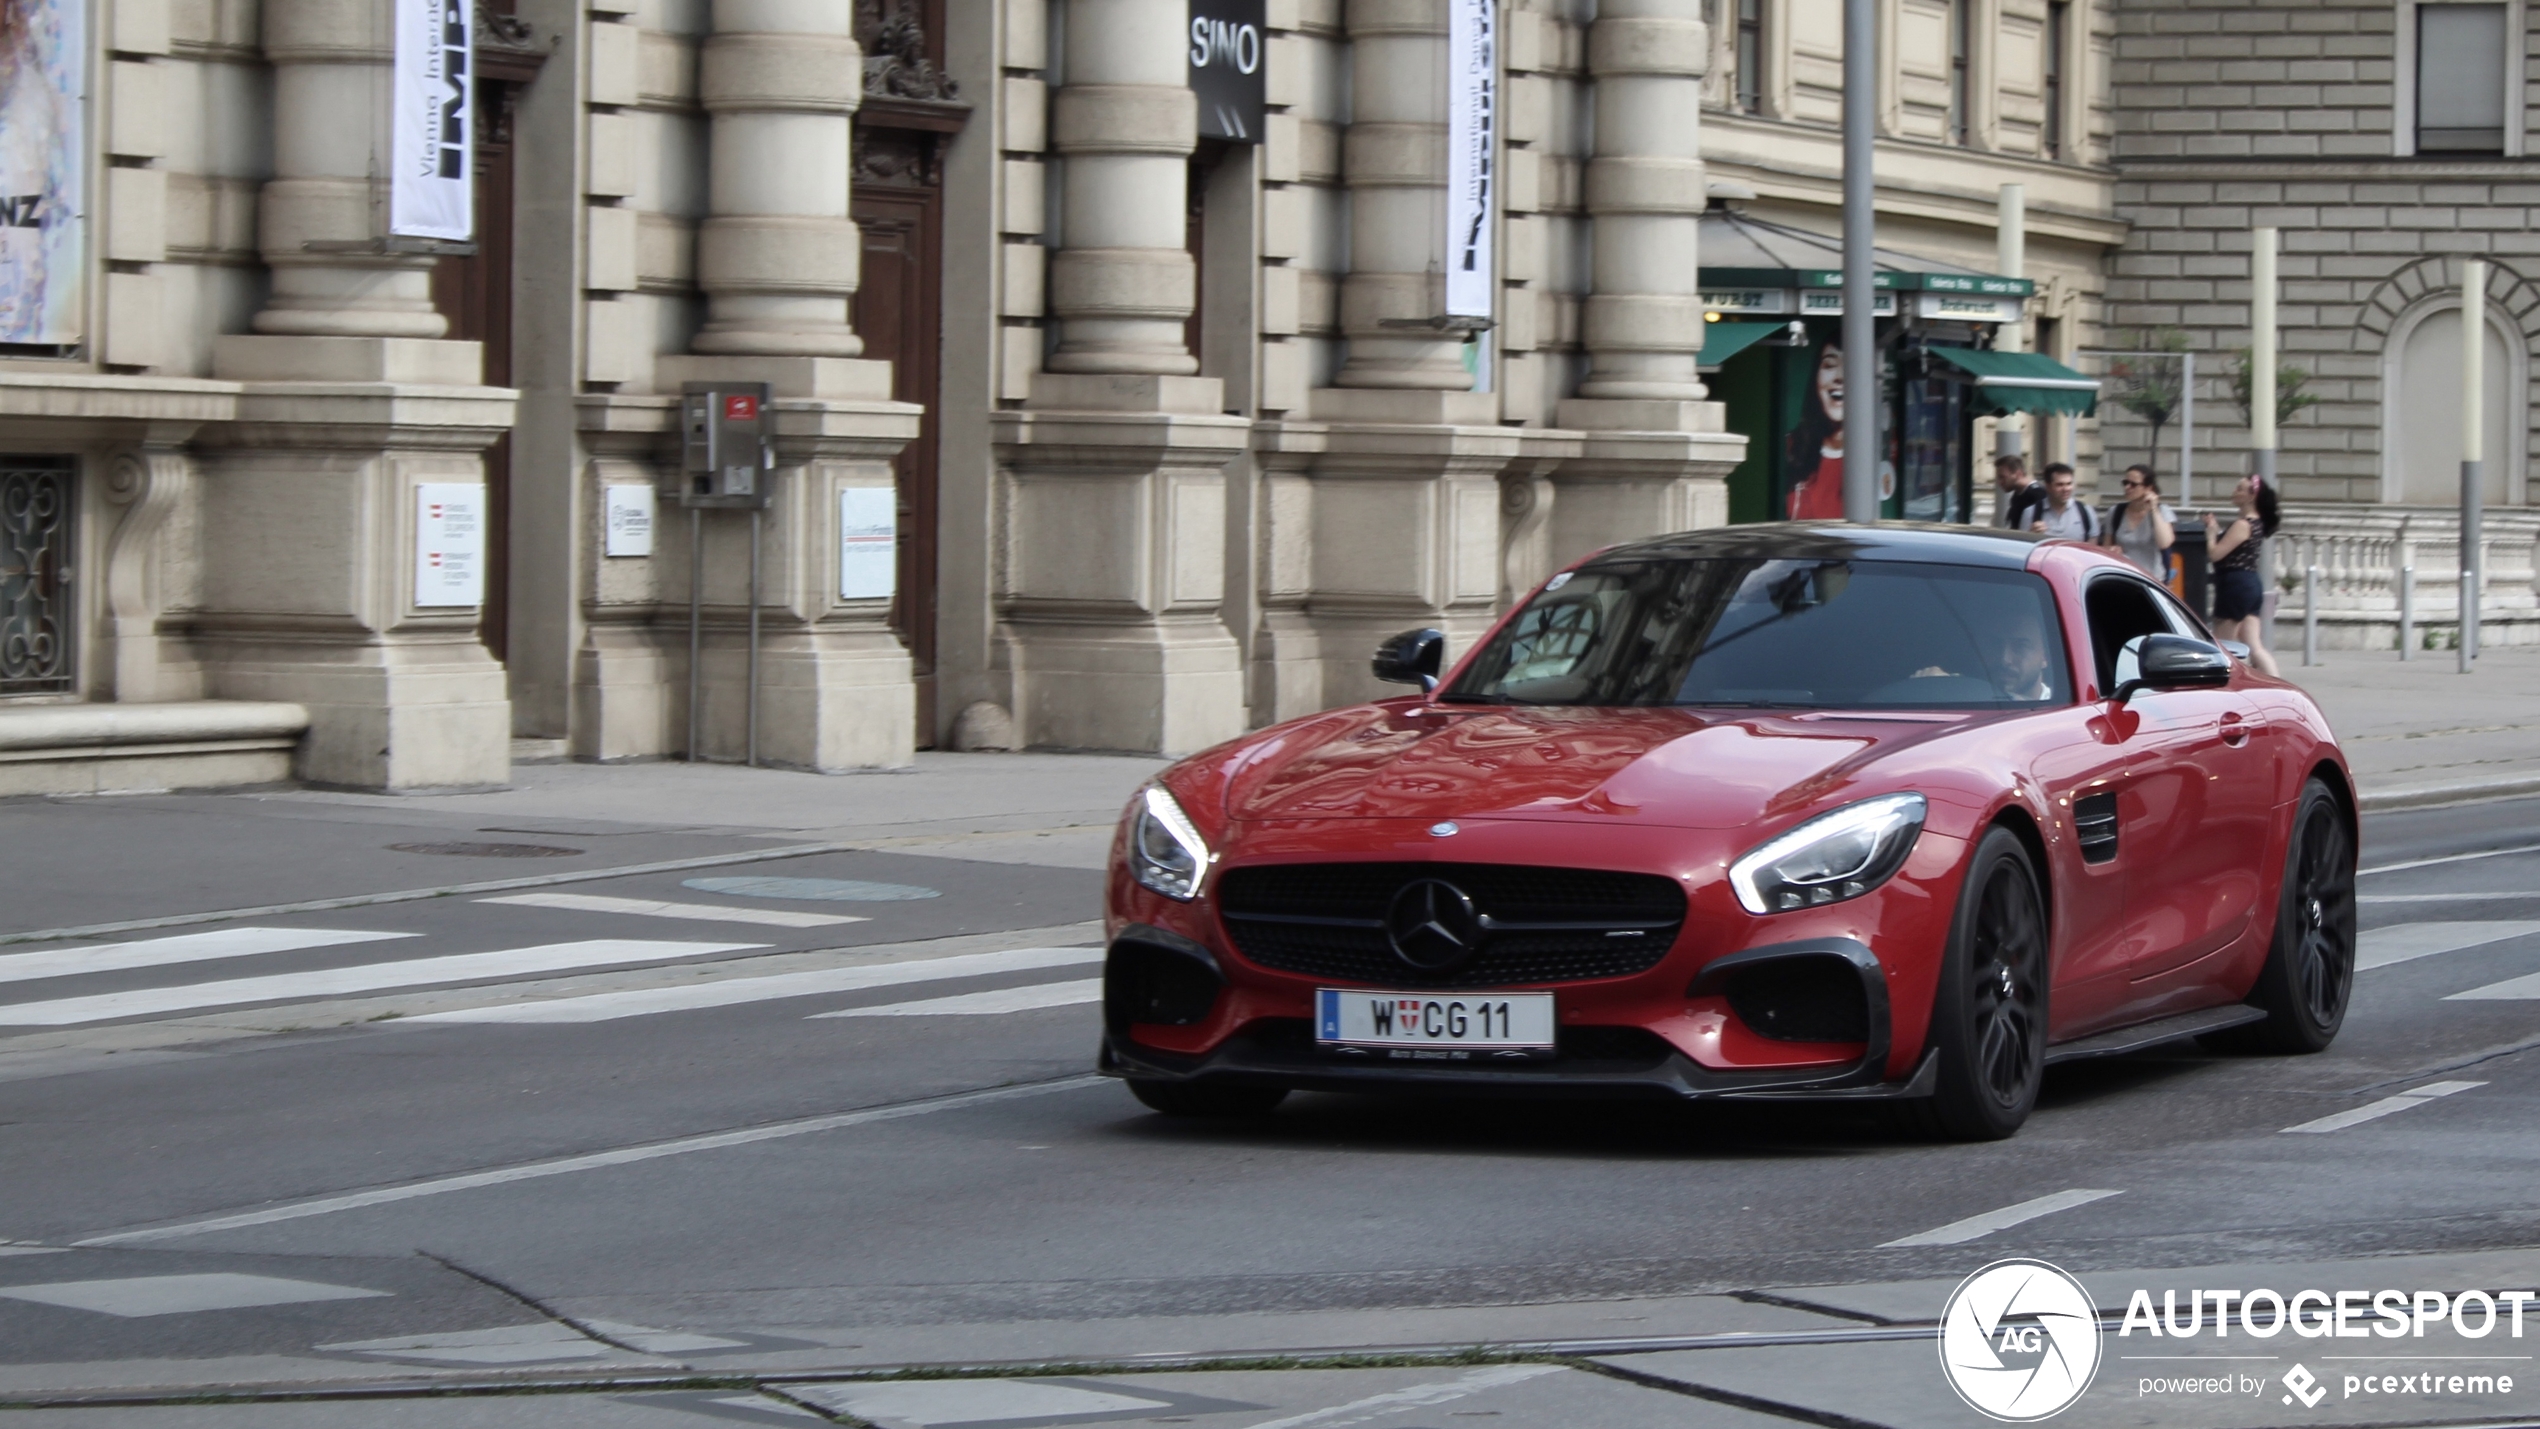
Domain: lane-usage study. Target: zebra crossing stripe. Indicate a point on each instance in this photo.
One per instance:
(183, 948)
(369, 977)
(729, 992)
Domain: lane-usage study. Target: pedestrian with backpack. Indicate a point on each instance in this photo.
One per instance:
(2059, 514)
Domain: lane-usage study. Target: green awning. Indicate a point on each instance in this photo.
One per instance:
(1722, 341)
(2022, 382)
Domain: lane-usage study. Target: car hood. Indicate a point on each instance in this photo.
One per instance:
(1665, 767)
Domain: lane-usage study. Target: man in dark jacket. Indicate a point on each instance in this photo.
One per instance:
(2016, 497)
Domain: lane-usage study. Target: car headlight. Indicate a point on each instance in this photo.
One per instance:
(1831, 857)
(1165, 849)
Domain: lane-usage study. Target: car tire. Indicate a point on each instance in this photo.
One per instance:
(1211, 1099)
(2309, 975)
(1989, 1014)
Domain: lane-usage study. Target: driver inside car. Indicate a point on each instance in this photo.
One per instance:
(2019, 664)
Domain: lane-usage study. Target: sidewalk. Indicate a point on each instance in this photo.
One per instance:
(1858, 1355)
(2420, 733)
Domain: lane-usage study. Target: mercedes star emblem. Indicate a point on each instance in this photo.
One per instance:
(1445, 829)
(1433, 925)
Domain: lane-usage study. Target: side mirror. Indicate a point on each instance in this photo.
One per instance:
(1412, 658)
(2175, 662)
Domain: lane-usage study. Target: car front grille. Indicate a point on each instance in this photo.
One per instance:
(1539, 925)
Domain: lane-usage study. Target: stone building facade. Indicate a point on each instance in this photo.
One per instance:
(2387, 140)
(1170, 428)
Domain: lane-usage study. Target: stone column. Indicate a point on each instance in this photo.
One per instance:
(778, 255)
(1115, 573)
(778, 259)
(1125, 125)
(1643, 323)
(349, 402)
(328, 198)
(1656, 455)
(1405, 498)
(1394, 161)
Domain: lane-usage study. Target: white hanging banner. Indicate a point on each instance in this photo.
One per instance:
(1472, 135)
(449, 544)
(430, 191)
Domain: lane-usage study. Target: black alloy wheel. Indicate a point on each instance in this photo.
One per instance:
(1989, 1014)
(2310, 970)
(1209, 1098)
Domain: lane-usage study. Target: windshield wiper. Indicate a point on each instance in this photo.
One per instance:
(1471, 699)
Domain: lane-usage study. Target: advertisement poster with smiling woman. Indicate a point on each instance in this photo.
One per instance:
(1815, 459)
(42, 43)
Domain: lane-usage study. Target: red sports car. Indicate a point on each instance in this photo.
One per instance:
(1771, 812)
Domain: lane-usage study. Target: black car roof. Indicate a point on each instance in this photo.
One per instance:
(1837, 540)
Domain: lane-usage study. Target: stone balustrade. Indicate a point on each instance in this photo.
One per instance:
(2361, 550)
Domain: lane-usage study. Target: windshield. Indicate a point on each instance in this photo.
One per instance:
(1813, 634)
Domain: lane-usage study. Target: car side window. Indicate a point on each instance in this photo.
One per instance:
(2121, 610)
(2183, 619)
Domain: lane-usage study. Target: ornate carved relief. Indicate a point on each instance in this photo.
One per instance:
(895, 158)
(897, 62)
(148, 483)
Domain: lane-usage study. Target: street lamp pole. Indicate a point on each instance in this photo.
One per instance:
(1860, 236)
(2473, 443)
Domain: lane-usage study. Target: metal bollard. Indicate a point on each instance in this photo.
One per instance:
(2407, 612)
(2311, 615)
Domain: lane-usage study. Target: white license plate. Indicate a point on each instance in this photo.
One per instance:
(1496, 1021)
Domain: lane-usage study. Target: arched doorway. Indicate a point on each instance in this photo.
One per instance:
(2421, 462)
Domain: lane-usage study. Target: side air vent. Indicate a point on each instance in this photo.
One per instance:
(2095, 825)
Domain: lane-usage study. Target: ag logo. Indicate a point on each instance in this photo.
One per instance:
(2019, 1341)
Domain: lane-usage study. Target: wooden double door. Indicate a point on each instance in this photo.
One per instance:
(899, 206)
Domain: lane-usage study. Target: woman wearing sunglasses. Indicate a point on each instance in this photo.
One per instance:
(2141, 529)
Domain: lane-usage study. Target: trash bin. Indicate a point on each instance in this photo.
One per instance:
(2191, 573)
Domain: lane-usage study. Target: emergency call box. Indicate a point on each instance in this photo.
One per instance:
(727, 445)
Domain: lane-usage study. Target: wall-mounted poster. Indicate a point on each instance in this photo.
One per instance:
(449, 544)
(43, 261)
(868, 542)
(431, 193)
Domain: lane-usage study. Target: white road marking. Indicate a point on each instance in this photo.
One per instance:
(2447, 858)
(2446, 897)
(138, 1296)
(975, 1004)
(511, 1344)
(369, 977)
(2513, 989)
(183, 948)
(1378, 1406)
(447, 890)
(591, 1161)
(2407, 942)
(918, 1404)
(692, 912)
(1978, 1227)
(2373, 1111)
(729, 992)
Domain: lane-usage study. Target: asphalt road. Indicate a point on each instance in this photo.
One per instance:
(631, 1141)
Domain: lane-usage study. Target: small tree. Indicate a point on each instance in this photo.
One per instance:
(2290, 398)
(2150, 384)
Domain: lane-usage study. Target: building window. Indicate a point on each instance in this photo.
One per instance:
(35, 590)
(2460, 79)
(1750, 56)
(2059, 16)
(1961, 21)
